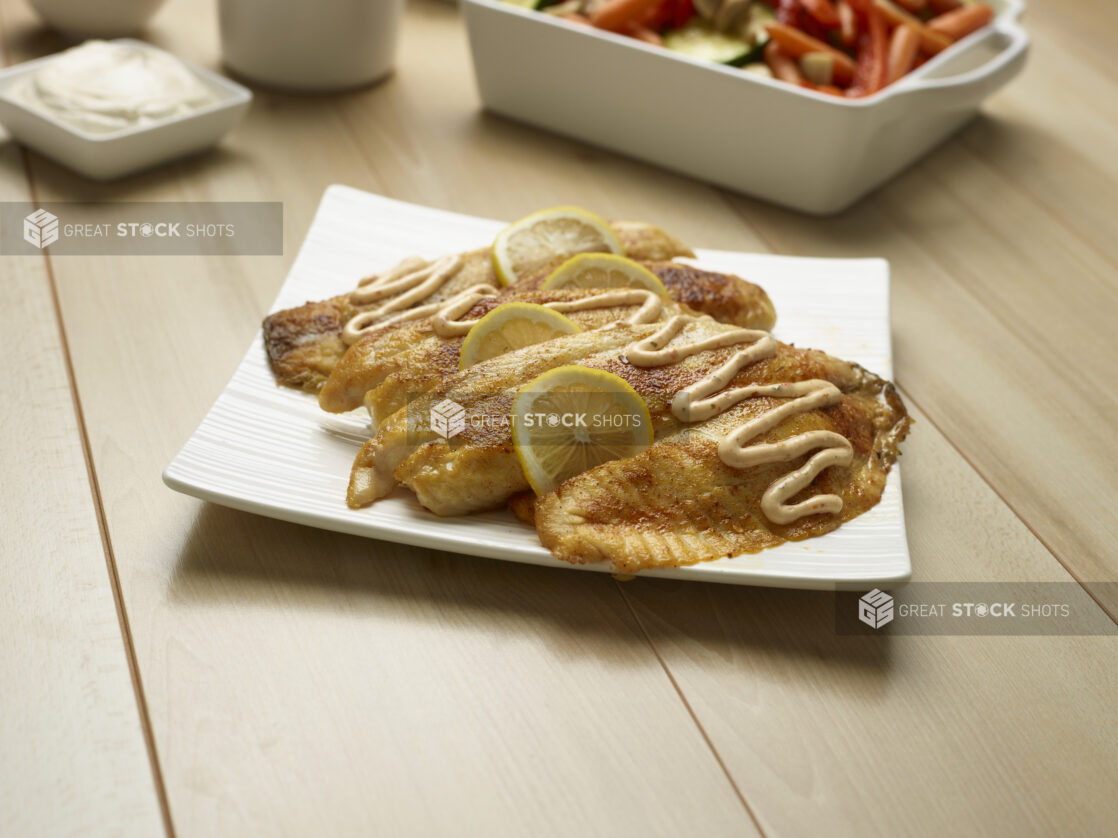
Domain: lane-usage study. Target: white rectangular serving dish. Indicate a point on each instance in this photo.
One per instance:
(792, 146)
(270, 450)
(113, 155)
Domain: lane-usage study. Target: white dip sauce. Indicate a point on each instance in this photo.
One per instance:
(103, 87)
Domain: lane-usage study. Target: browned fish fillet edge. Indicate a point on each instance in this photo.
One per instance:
(303, 344)
(592, 527)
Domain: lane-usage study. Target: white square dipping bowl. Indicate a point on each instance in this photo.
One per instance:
(792, 146)
(113, 155)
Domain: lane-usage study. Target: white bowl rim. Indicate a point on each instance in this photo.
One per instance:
(238, 95)
(1004, 20)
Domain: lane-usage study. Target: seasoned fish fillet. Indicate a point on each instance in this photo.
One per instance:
(677, 503)
(485, 391)
(724, 297)
(411, 357)
(478, 471)
(417, 370)
(305, 343)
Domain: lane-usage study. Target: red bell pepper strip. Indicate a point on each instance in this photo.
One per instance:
(871, 72)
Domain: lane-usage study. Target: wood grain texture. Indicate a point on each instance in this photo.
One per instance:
(72, 755)
(303, 682)
(830, 735)
(300, 680)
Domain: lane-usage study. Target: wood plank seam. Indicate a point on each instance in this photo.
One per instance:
(103, 527)
(1023, 187)
(931, 421)
(728, 198)
(687, 706)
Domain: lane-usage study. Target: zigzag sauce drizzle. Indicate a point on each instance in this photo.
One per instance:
(708, 397)
(415, 279)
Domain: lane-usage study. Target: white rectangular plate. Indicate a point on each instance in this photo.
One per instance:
(270, 450)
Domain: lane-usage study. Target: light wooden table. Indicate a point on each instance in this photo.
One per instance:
(172, 667)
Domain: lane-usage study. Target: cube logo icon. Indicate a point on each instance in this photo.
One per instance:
(448, 419)
(40, 228)
(875, 609)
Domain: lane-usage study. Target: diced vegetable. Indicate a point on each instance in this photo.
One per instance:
(758, 68)
(783, 66)
(699, 40)
(753, 30)
(818, 67)
(796, 43)
(848, 48)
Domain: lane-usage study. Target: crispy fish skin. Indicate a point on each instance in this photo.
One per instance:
(379, 356)
(304, 343)
(472, 474)
(677, 503)
(486, 392)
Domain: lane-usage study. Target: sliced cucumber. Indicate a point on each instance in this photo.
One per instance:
(527, 4)
(698, 40)
(753, 30)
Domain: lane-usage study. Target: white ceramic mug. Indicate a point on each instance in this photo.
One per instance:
(313, 45)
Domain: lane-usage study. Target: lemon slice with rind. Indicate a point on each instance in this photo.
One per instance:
(512, 326)
(548, 235)
(603, 270)
(571, 419)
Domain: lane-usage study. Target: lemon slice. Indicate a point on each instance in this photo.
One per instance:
(542, 237)
(571, 419)
(512, 326)
(603, 270)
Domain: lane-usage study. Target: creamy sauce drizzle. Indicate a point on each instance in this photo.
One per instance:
(412, 280)
(415, 279)
(708, 397)
(446, 322)
(649, 301)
